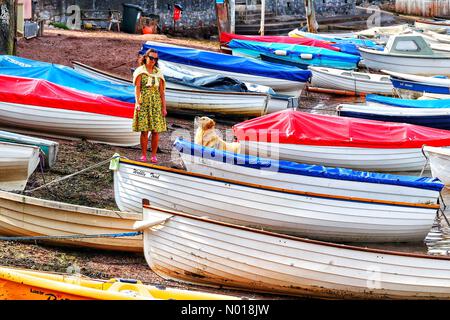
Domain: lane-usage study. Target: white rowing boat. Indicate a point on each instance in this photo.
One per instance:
(408, 54)
(180, 97)
(42, 107)
(69, 124)
(203, 251)
(346, 80)
(49, 148)
(307, 178)
(317, 216)
(439, 162)
(17, 163)
(27, 216)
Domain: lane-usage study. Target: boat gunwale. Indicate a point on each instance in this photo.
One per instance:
(74, 208)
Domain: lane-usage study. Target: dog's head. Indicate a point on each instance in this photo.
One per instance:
(204, 123)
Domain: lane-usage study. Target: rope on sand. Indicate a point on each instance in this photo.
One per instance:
(72, 175)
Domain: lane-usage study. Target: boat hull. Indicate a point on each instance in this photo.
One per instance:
(438, 118)
(17, 163)
(49, 148)
(28, 216)
(440, 163)
(411, 65)
(367, 159)
(203, 251)
(350, 81)
(313, 216)
(70, 124)
(273, 178)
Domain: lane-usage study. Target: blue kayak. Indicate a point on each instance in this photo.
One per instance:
(408, 103)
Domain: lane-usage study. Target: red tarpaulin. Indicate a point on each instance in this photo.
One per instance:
(37, 92)
(227, 37)
(296, 127)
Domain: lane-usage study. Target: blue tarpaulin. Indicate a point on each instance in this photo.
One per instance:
(225, 62)
(64, 76)
(306, 169)
(315, 56)
(409, 103)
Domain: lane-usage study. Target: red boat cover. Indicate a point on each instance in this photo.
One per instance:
(296, 127)
(37, 92)
(227, 37)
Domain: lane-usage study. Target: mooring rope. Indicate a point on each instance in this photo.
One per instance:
(78, 236)
(72, 174)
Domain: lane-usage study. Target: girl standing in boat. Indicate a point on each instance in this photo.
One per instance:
(150, 110)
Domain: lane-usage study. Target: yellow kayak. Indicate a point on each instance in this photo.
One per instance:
(20, 284)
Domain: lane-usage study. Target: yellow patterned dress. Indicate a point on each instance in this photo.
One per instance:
(149, 117)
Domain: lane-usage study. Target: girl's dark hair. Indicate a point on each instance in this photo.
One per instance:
(146, 55)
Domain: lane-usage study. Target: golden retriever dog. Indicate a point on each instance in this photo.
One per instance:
(207, 136)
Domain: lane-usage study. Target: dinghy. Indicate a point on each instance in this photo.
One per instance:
(49, 148)
(314, 215)
(296, 53)
(283, 79)
(408, 54)
(17, 163)
(305, 177)
(39, 106)
(351, 81)
(436, 85)
(201, 250)
(182, 95)
(438, 118)
(338, 141)
(27, 216)
(439, 163)
(22, 284)
(433, 25)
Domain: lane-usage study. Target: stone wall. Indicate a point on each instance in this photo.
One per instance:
(324, 8)
(6, 37)
(199, 16)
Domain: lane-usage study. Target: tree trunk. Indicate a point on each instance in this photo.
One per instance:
(311, 16)
(263, 16)
(8, 27)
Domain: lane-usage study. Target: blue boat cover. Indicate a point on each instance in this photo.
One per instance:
(225, 62)
(306, 169)
(320, 56)
(64, 76)
(337, 40)
(409, 103)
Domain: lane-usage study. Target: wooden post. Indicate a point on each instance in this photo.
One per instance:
(311, 16)
(232, 16)
(263, 15)
(8, 26)
(222, 14)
